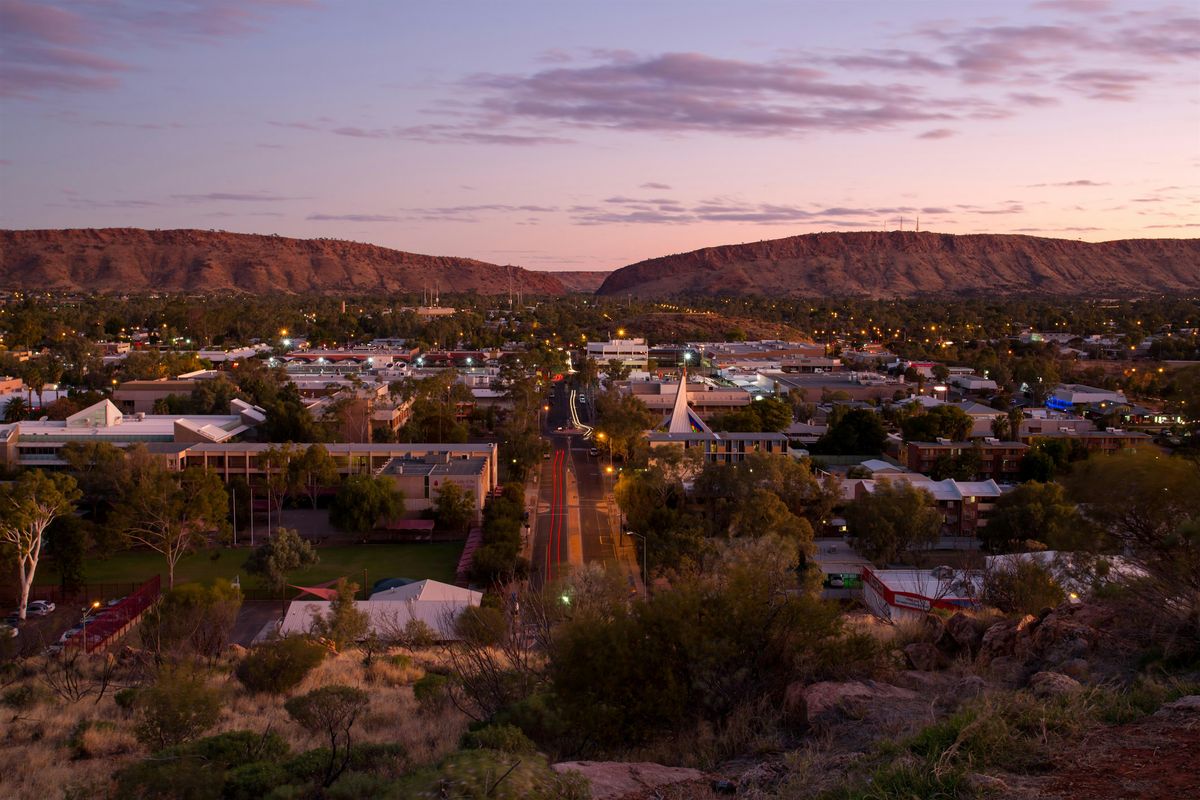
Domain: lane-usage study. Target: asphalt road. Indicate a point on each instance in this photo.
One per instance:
(576, 519)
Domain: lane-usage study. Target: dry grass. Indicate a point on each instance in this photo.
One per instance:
(50, 752)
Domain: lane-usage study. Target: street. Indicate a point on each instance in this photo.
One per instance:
(576, 516)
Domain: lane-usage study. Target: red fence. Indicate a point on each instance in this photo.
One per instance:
(467, 559)
(108, 623)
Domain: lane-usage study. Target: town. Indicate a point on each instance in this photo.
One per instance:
(443, 494)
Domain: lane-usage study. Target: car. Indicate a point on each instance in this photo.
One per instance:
(9, 632)
(69, 634)
(546, 455)
(40, 607)
(595, 451)
(583, 401)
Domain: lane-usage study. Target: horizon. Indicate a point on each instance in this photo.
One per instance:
(600, 135)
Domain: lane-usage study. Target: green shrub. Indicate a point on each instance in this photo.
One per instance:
(358, 785)
(490, 774)
(401, 660)
(481, 626)
(430, 691)
(174, 777)
(20, 697)
(537, 716)
(253, 781)
(280, 665)
(238, 748)
(176, 709)
(505, 738)
(126, 699)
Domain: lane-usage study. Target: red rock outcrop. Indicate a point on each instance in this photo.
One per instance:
(906, 263)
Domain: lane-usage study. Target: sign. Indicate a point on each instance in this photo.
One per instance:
(909, 601)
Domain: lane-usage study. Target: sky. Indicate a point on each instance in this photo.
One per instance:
(581, 135)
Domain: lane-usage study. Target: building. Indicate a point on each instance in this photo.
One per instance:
(432, 603)
(705, 399)
(37, 444)
(686, 428)
(965, 506)
(632, 353)
(134, 397)
(1069, 395)
(895, 595)
(999, 461)
(422, 479)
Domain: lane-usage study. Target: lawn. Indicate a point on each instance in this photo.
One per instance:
(437, 560)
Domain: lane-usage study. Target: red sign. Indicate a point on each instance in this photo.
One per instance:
(558, 377)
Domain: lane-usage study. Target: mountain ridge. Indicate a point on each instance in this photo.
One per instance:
(137, 259)
(907, 263)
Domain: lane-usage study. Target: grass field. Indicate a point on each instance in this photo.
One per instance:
(436, 560)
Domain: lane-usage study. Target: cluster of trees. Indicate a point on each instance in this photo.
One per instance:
(765, 495)
(498, 560)
(765, 415)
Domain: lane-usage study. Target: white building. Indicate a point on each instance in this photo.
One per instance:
(630, 352)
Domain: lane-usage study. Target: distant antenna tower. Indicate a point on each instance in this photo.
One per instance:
(918, 223)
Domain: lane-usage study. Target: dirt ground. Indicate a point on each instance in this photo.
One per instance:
(1156, 758)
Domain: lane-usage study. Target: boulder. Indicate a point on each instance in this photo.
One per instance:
(795, 707)
(1003, 638)
(925, 656)
(967, 632)
(1189, 704)
(1053, 684)
(829, 696)
(608, 780)
(1007, 670)
(970, 686)
(1077, 668)
(236, 651)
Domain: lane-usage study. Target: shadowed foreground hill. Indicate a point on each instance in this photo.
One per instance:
(136, 260)
(888, 264)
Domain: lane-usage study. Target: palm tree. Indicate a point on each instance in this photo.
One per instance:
(16, 410)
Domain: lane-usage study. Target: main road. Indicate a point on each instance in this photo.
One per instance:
(576, 517)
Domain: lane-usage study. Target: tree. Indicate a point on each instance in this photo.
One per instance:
(193, 619)
(16, 409)
(66, 547)
(176, 709)
(171, 513)
(362, 500)
(27, 507)
(944, 421)
(313, 471)
(345, 623)
(1142, 500)
(623, 419)
(856, 431)
(1022, 586)
(454, 507)
(894, 519)
(276, 463)
(284, 553)
(617, 370)
(330, 711)
(766, 515)
(1039, 512)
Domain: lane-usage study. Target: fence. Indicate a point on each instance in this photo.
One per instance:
(108, 623)
(85, 594)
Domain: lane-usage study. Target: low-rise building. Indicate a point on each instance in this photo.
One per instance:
(37, 443)
(999, 461)
(629, 352)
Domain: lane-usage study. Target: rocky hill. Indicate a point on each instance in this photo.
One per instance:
(889, 264)
(586, 282)
(135, 260)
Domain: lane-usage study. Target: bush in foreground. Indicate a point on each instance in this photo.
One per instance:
(280, 665)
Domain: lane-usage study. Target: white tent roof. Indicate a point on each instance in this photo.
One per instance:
(429, 590)
(385, 616)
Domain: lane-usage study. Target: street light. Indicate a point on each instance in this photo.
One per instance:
(87, 613)
(645, 573)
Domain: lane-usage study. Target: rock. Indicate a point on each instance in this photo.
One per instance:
(925, 683)
(795, 707)
(966, 632)
(934, 627)
(1053, 684)
(925, 656)
(608, 780)
(236, 651)
(970, 686)
(979, 783)
(829, 696)
(1063, 636)
(1189, 704)
(1008, 670)
(760, 777)
(1001, 639)
(1077, 668)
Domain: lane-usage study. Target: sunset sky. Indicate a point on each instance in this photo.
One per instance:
(573, 134)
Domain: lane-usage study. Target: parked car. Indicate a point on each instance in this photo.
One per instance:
(9, 632)
(595, 451)
(69, 634)
(13, 619)
(40, 608)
